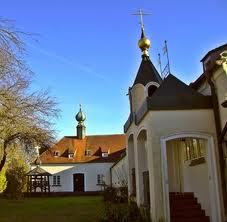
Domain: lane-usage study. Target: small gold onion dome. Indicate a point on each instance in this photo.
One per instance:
(144, 43)
(80, 116)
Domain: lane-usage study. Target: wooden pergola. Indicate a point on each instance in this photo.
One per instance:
(38, 180)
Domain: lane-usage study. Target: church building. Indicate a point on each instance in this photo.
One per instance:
(81, 163)
(176, 140)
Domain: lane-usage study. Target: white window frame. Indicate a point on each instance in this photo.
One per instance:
(56, 180)
(87, 152)
(56, 153)
(192, 152)
(71, 155)
(100, 178)
(105, 154)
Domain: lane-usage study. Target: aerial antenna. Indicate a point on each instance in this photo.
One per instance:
(160, 63)
(166, 71)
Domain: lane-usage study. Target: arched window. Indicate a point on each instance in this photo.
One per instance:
(151, 90)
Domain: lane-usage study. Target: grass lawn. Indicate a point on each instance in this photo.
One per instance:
(52, 209)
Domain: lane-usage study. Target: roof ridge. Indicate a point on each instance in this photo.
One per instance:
(213, 50)
(169, 81)
(116, 134)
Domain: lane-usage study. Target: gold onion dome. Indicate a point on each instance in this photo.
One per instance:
(80, 116)
(144, 43)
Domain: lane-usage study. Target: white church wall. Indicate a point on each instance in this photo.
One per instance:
(130, 156)
(220, 82)
(138, 96)
(142, 165)
(174, 162)
(165, 123)
(66, 171)
(119, 173)
(196, 181)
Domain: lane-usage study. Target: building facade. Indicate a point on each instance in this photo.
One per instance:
(81, 163)
(176, 141)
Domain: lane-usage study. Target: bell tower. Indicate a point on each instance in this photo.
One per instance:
(81, 128)
(147, 79)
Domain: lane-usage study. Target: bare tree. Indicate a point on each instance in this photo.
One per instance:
(26, 117)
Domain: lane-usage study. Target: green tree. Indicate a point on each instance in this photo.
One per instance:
(3, 181)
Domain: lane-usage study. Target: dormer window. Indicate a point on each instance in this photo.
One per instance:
(71, 155)
(56, 153)
(104, 154)
(87, 153)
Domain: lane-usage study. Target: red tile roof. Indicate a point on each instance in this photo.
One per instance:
(114, 145)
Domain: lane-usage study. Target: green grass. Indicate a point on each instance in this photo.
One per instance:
(55, 209)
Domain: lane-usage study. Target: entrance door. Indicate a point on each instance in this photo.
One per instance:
(78, 182)
(212, 196)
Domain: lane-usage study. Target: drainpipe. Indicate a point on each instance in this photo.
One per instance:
(218, 132)
(111, 182)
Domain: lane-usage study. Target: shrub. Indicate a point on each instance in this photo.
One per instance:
(123, 213)
(116, 194)
(110, 194)
(145, 212)
(123, 194)
(16, 179)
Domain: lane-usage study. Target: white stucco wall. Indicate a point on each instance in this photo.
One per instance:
(130, 155)
(174, 163)
(196, 181)
(120, 173)
(138, 96)
(66, 171)
(220, 82)
(162, 124)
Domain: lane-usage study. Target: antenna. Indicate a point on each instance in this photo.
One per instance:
(160, 63)
(166, 70)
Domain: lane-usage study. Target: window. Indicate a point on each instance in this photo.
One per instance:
(87, 153)
(151, 90)
(56, 153)
(100, 179)
(56, 181)
(104, 154)
(71, 155)
(193, 148)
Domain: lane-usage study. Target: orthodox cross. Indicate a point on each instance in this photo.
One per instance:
(141, 13)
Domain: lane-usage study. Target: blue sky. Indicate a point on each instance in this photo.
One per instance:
(87, 50)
